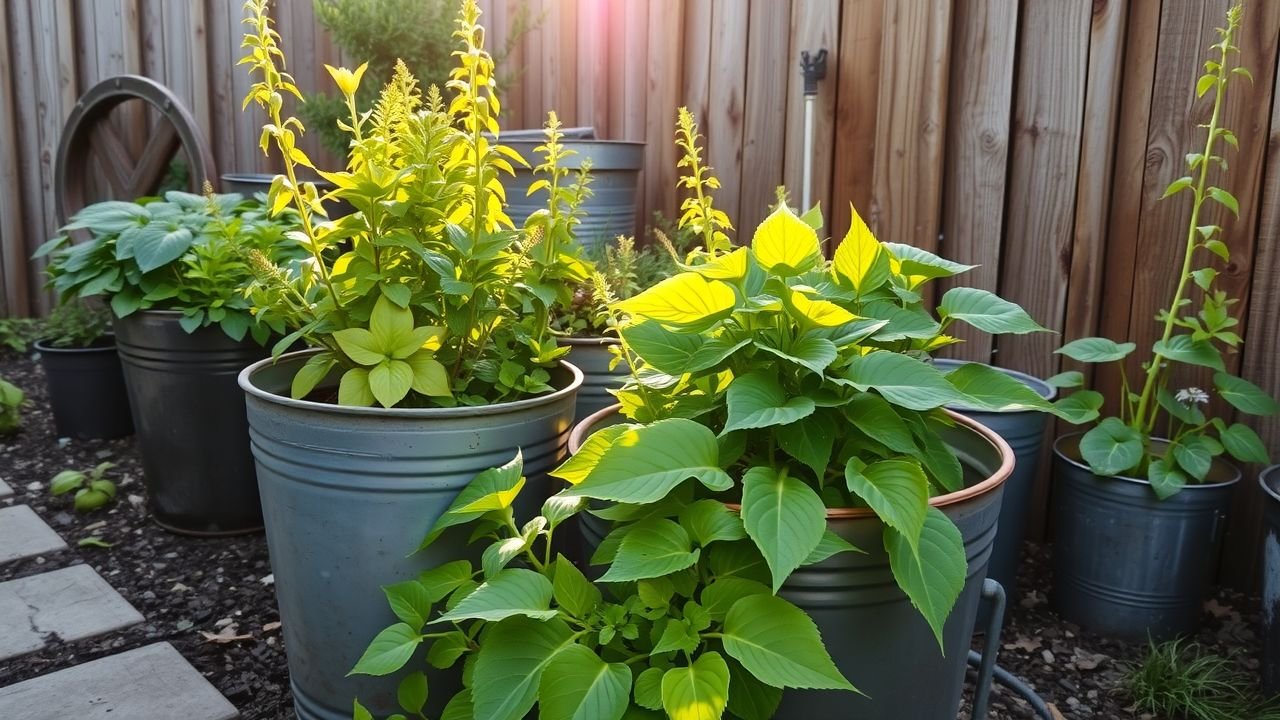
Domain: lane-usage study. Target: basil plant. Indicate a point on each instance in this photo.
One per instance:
(183, 252)
(1130, 444)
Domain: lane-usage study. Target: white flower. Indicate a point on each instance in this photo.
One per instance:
(1190, 395)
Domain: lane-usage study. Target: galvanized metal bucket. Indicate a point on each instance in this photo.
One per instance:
(615, 184)
(349, 493)
(190, 422)
(86, 390)
(1125, 563)
(1270, 481)
(1024, 431)
(592, 356)
(877, 639)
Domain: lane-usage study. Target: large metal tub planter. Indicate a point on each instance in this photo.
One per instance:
(615, 184)
(348, 493)
(1023, 430)
(593, 355)
(190, 421)
(1270, 481)
(878, 640)
(1126, 564)
(86, 389)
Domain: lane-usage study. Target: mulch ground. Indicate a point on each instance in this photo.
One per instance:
(214, 600)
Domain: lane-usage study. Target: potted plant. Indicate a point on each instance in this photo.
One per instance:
(432, 358)
(175, 269)
(1270, 481)
(1140, 500)
(82, 370)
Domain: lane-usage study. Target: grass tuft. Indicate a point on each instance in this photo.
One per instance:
(1180, 681)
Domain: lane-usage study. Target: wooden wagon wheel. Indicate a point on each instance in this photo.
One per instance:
(128, 174)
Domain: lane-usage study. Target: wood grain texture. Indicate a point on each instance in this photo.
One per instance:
(666, 28)
(764, 122)
(15, 281)
(815, 25)
(723, 124)
(857, 112)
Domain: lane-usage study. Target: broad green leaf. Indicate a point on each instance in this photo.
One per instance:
(500, 553)
(1066, 380)
(429, 377)
(311, 373)
(1178, 185)
(686, 299)
(902, 380)
(1188, 413)
(353, 388)
(578, 685)
(810, 351)
(809, 440)
(900, 323)
(648, 688)
(699, 691)
(986, 388)
(510, 664)
(389, 651)
(750, 699)
(674, 352)
(158, 249)
(410, 602)
(1244, 395)
(1079, 407)
(647, 462)
(1181, 348)
(830, 545)
(1095, 350)
(651, 548)
(720, 595)
(873, 415)
(389, 381)
(556, 509)
(460, 707)
(1165, 479)
(896, 490)
(446, 649)
(1112, 447)
(390, 325)
(676, 636)
(708, 521)
(360, 712)
(784, 517)
(1194, 454)
(66, 481)
(915, 262)
(779, 644)
(360, 345)
(513, 591)
(580, 464)
(441, 580)
(986, 311)
(729, 266)
(1225, 199)
(109, 216)
(487, 491)
(572, 591)
(934, 575)
(785, 245)
(1244, 444)
(860, 258)
(817, 313)
(412, 692)
(757, 400)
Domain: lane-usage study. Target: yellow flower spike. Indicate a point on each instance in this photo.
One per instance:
(347, 81)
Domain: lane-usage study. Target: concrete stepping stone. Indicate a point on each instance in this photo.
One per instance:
(23, 534)
(150, 683)
(68, 604)
(5, 490)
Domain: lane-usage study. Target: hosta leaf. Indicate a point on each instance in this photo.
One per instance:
(1112, 447)
(1244, 395)
(1244, 444)
(513, 591)
(699, 691)
(933, 575)
(1194, 454)
(902, 380)
(389, 651)
(651, 548)
(1095, 350)
(510, 664)
(647, 462)
(896, 490)
(860, 258)
(777, 643)
(757, 400)
(578, 685)
(784, 517)
(785, 245)
(1166, 480)
(1079, 407)
(986, 311)
(154, 250)
(686, 299)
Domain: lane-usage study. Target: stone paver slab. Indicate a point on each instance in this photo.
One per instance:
(23, 534)
(5, 490)
(71, 603)
(150, 683)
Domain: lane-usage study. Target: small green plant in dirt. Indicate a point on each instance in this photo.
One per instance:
(1127, 444)
(1181, 680)
(17, 333)
(91, 487)
(76, 323)
(11, 399)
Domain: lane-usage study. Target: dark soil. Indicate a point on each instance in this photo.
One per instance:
(214, 601)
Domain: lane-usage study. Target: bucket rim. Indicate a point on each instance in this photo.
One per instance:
(1269, 479)
(591, 340)
(1198, 487)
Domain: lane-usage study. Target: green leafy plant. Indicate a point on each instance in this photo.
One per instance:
(182, 252)
(418, 33)
(11, 399)
(1181, 680)
(1128, 444)
(91, 487)
(682, 619)
(16, 333)
(76, 323)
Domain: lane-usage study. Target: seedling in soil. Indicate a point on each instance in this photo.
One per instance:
(91, 488)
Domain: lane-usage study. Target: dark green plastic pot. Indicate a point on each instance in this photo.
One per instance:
(592, 356)
(1270, 481)
(190, 421)
(348, 494)
(86, 389)
(1127, 564)
(877, 639)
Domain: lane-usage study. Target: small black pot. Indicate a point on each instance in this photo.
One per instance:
(192, 429)
(86, 390)
(1270, 481)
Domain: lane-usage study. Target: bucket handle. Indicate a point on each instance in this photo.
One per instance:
(993, 592)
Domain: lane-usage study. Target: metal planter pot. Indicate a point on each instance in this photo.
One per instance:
(191, 425)
(1024, 431)
(877, 639)
(615, 186)
(1126, 564)
(1270, 481)
(349, 493)
(592, 357)
(86, 390)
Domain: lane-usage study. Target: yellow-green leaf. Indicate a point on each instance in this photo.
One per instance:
(860, 258)
(785, 245)
(686, 299)
(821, 313)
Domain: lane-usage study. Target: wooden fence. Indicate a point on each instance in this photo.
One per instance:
(1032, 137)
